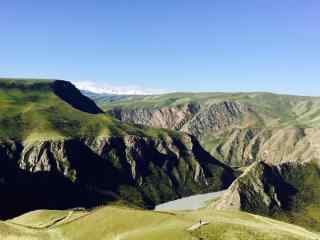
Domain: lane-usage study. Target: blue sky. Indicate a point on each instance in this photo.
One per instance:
(184, 45)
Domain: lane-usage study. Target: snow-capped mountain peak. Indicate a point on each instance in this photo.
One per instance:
(115, 90)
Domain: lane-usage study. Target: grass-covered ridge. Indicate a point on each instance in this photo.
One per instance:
(281, 110)
(116, 222)
(34, 109)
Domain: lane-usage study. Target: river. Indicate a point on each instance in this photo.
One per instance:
(193, 202)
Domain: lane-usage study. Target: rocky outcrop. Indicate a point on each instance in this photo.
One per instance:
(225, 130)
(166, 117)
(88, 172)
(260, 189)
(288, 191)
(190, 118)
(241, 147)
(237, 128)
(216, 118)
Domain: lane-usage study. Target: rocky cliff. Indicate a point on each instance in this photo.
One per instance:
(167, 117)
(238, 128)
(241, 147)
(192, 118)
(90, 172)
(288, 191)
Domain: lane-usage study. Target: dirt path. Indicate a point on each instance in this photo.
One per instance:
(197, 225)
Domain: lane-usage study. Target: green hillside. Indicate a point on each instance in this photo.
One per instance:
(115, 222)
(34, 109)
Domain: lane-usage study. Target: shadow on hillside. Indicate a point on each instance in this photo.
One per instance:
(69, 93)
(22, 191)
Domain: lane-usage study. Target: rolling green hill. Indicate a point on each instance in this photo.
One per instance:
(44, 109)
(116, 222)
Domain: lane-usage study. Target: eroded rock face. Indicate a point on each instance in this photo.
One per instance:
(241, 147)
(166, 117)
(215, 118)
(141, 170)
(191, 118)
(235, 133)
(281, 190)
(260, 189)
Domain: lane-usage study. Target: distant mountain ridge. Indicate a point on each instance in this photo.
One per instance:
(106, 89)
(236, 128)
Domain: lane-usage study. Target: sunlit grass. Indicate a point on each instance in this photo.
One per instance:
(116, 222)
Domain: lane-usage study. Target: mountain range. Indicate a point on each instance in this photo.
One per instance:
(81, 165)
(236, 128)
(59, 150)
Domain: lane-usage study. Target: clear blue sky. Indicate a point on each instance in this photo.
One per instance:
(185, 45)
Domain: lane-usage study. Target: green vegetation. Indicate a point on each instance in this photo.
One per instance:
(288, 192)
(286, 110)
(116, 222)
(31, 110)
(47, 218)
(60, 151)
(236, 128)
(275, 109)
(304, 207)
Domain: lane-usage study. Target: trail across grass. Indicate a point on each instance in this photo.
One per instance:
(116, 222)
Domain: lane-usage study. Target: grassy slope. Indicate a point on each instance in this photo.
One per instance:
(123, 223)
(31, 111)
(46, 218)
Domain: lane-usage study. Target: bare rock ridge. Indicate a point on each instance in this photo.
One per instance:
(167, 117)
(190, 118)
(216, 118)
